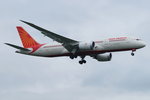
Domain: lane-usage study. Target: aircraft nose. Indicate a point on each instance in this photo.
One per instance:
(142, 44)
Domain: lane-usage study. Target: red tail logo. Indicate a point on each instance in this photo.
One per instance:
(27, 40)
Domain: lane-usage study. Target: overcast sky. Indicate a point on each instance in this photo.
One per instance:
(32, 78)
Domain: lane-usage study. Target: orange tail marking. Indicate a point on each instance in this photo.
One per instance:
(27, 40)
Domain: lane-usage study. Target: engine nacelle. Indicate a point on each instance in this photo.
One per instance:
(103, 57)
(86, 46)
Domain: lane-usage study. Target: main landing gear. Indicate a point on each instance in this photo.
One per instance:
(82, 61)
(73, 56)
(132, 53)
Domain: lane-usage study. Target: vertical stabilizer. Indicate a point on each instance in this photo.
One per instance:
(27, 40)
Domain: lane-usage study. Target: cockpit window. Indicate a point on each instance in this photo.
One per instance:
(138, 39)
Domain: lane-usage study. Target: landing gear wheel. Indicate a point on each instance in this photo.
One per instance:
(84, 61)
(71, 57)
(132, 54)
(80, 62)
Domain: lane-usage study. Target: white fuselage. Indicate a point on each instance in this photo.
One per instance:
(107, 45)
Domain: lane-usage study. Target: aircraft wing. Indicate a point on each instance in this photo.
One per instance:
(69, 44)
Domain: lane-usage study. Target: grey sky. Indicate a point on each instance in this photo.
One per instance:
(32, 78)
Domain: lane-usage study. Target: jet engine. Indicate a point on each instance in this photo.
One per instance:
(103, 57)
(86, 46)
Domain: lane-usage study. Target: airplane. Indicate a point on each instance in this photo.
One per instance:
(99, 50)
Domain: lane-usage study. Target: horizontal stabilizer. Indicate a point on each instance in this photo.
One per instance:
(17, 47)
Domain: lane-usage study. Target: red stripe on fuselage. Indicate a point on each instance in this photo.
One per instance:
(35, 48)
(52, 46)
(89, 52)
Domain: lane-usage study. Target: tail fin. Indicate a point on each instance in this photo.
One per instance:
(27, 40)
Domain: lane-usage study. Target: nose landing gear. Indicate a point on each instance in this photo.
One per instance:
(132, 53)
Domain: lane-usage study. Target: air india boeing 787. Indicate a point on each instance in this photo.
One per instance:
(99, 50)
